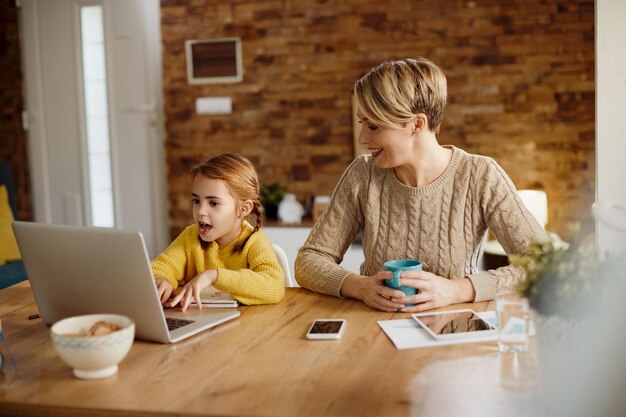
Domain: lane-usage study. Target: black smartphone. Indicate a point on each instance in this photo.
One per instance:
(326, 329)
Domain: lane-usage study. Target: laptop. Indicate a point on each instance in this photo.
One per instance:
(87, 270)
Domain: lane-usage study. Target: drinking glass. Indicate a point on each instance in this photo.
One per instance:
(513, 316)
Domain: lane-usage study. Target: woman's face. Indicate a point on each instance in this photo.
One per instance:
(390, 147)
(215, 211)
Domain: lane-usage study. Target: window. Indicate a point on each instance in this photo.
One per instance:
(96, 116)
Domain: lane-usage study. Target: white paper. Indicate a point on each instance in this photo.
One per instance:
(407, 333)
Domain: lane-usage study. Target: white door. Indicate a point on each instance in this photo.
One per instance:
(92, 76)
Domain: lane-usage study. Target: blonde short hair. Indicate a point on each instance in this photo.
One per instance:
(395, 91)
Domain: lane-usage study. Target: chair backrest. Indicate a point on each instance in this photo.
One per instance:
(13, 271)
(284, 263)
(611, 214)
(6, 179)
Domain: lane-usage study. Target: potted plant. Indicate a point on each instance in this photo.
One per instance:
(557, 280)
(271, 195)
(577, 296)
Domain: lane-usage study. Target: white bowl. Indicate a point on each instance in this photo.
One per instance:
(92, 357)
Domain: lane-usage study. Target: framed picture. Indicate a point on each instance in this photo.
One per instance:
(214, 61)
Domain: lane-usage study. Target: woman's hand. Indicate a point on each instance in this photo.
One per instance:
(372, 291)
(191, 291)
(433, 291)
(165, 289)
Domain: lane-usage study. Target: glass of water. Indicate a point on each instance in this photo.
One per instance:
(513, 315)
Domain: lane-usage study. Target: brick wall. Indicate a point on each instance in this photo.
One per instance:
(521, 84)
(12, 137)
(521, 87)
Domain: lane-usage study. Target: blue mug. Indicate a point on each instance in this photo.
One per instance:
(397, 267)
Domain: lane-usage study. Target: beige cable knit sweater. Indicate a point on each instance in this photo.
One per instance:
(442, 224)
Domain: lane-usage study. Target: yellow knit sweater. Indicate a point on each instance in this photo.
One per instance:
(252, 276)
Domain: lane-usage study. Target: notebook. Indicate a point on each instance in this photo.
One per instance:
(86, 270)
(214, 298)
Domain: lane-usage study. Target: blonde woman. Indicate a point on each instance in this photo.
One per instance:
(413, 198)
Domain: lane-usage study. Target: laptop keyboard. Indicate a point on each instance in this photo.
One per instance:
(173, 324)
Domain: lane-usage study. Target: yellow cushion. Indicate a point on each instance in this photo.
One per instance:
(8, 246)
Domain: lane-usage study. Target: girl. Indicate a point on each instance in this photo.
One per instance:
(221, 248)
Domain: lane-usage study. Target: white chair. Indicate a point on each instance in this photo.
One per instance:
(284, 263)
(611, 214)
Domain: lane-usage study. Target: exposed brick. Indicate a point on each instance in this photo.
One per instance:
(12, 137)
(521, 84)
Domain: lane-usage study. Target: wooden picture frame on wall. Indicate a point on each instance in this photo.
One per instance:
(214, 61)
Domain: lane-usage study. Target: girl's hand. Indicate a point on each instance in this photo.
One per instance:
(433, 291)
(373, 291)
(191, 291)
(165, 290)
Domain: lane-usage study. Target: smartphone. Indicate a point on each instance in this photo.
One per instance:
(326, 329)
(455, 324)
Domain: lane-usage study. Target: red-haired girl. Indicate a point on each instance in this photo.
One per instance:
(222, 248)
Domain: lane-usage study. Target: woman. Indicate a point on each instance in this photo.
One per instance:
(413, 198)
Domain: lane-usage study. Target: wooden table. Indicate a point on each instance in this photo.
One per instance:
(261, 364)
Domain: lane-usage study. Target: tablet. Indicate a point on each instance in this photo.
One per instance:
(454, 324)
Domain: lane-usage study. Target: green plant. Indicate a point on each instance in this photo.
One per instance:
(272, 193)
(560, 280)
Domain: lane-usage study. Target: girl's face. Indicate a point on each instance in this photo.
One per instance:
(390, 147)
(215, 211)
